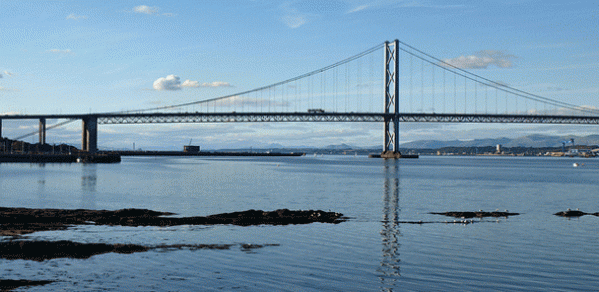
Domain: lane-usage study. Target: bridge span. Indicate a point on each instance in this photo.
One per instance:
(441, 93)
(90, 122)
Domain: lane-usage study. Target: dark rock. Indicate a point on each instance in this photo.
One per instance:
(571, 213)
(8, 285)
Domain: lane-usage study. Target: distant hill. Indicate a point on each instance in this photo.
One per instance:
(526, 141)
(340, 147)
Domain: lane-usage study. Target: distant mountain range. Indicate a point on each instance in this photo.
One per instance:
(526, 141)
(535, 141)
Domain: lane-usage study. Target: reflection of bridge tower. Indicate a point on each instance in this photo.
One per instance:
(391, 146)
(390, 269)
(89, 179)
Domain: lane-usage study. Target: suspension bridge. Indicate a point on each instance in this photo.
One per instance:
(405, 85)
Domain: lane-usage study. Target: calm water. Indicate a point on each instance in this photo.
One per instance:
(535, 251)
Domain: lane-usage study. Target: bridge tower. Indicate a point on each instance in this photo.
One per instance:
(42, 131)
(89, 140)
(391, 146)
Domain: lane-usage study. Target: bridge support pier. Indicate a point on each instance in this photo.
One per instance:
(89, 135)
(42, 131)
(0, 128)
(391, 146)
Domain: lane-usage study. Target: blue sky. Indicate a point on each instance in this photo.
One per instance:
(82, 56)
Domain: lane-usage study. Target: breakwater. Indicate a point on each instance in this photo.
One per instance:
(215, 153)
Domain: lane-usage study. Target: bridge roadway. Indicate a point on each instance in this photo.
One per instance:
(91, 121)
(228, 117)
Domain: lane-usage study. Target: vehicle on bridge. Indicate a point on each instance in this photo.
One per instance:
(316, 111)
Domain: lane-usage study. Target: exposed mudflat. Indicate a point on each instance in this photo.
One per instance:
(17, 221)
(478, 214)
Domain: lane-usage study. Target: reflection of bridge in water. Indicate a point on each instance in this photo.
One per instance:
(390, 262)
(352, 90)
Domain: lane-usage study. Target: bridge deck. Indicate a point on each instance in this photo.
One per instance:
(228, 117)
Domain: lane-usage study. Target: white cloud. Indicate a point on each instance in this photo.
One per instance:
(74, 16)
(216, 84)
(170, 82)
(482, 60)
(189, 83)
(145, 9)
(57, 51)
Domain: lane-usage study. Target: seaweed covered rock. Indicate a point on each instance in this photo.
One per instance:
(17, 221)
(571, 213)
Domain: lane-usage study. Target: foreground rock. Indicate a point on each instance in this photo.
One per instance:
(7, 285)
(479, 214)
(17, 221)
(574, 213)
(47, 250)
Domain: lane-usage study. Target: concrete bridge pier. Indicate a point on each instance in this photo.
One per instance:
(89, 135)
(0, 128)
(42, 131)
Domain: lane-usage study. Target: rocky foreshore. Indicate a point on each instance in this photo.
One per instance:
(17, 221)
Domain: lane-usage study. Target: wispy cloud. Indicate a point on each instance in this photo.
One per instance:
(146, 9)
(196, 84)
(6, 73)
(57, 51)
(189, 83)
(481, 60)
(74, 16)
(216, 84)
(173, 82)
(292, 17)
(153, 10)
(357, 9)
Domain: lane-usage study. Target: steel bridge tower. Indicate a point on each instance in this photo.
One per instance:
(391, 146)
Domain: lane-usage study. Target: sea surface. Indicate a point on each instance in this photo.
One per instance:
(377, 249)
